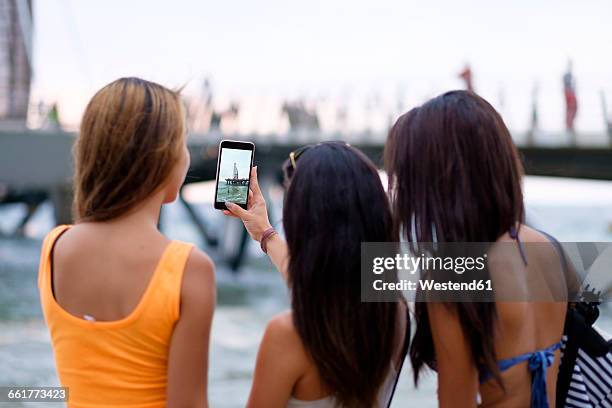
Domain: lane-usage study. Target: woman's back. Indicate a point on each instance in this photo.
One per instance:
(310, 390)
(527, 326)
(111, 306)
(103, 271)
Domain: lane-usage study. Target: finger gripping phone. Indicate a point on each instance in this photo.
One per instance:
(233, 173)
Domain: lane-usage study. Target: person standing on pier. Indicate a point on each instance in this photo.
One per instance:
(535, 117)
(129, 310)
(466, 75)
(571, 101)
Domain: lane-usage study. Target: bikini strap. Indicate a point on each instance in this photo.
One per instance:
(513, 232)
(538, 362)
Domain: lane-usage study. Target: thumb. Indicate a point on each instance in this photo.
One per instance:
(255, 181)
(236, 209)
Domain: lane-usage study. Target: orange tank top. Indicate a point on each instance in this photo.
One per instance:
(121, 363)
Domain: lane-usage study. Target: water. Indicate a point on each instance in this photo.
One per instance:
(571, 210)
(232, 193)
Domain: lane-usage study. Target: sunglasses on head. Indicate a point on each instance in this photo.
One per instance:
(294, 155)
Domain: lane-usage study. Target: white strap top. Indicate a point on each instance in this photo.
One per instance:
(330, 402)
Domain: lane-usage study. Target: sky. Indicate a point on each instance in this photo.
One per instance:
(242, 158)
(355, 52)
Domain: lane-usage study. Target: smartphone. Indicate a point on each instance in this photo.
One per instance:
(234, 166)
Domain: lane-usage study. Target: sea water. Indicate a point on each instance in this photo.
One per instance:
(569, 209)
(231, 192)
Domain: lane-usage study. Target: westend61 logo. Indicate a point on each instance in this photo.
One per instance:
(483, 271)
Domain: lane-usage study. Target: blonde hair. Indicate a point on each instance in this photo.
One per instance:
(131, 137)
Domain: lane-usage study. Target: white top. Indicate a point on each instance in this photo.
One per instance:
(330, 402)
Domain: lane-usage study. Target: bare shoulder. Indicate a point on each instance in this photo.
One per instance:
(542, 248)
(529, 234)
(199, 277)
(200, 264)
(282, 325)
(282, 336)
(72, 244)
(280, 363)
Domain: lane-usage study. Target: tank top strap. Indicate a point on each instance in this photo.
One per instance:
(45, 253)
(171, 269)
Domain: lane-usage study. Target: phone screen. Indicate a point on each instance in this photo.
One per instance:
(233, 173)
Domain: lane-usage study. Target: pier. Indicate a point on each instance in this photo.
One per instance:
(236, 180)
(36, 166)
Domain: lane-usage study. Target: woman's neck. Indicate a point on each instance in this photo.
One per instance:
(144, 217)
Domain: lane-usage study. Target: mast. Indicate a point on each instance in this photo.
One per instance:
(235, 171)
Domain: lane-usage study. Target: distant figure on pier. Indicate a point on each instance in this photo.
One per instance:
(203, 116)
(466, 75)
(52, 118)
(217, 116)
(571, 102)
(535, 117)
(301, 118)
(607, 119)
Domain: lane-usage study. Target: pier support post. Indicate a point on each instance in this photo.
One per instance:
(238, 258)
(61, 197)
(31, 210)
(198, 222)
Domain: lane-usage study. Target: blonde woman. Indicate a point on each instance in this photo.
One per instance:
(129, 311)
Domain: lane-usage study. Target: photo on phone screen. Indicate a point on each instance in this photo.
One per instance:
(234, 173)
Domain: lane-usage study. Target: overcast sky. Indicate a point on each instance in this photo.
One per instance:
(242, 158)
(331, 48)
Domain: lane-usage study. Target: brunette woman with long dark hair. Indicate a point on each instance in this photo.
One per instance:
(331, 349)
(455, 176)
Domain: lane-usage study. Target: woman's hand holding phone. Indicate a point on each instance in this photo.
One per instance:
(255, 218)
(256, 222)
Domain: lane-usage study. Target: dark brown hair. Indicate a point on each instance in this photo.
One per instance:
(334, 201)
(454, 176)
(131, 137)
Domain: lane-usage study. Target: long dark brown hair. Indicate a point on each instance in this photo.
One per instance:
(334, 201)
(454, 176)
